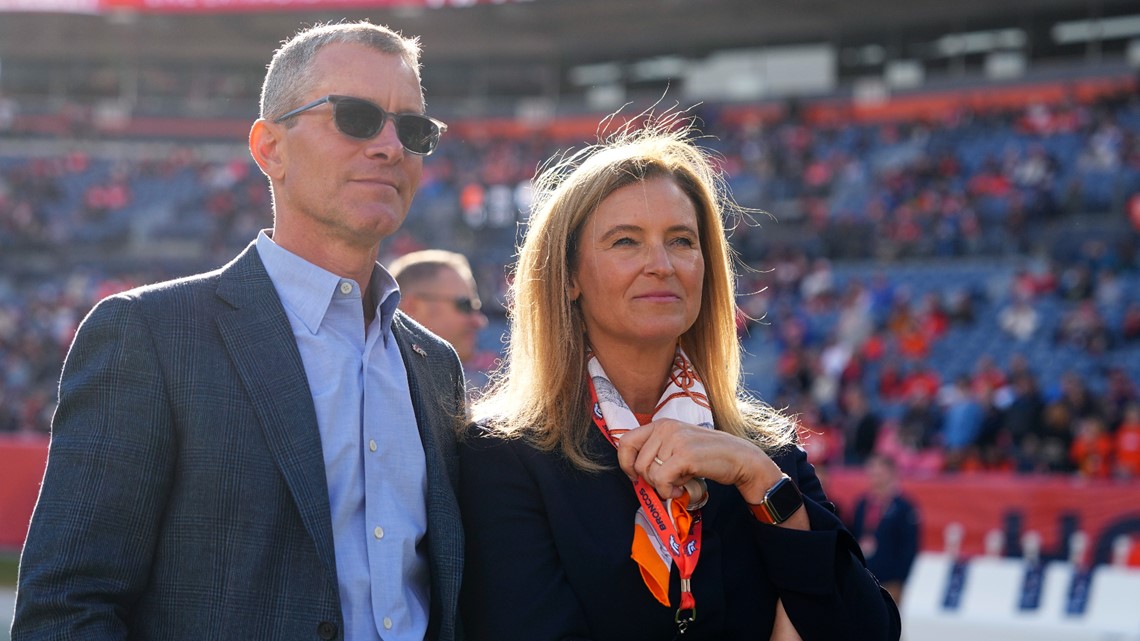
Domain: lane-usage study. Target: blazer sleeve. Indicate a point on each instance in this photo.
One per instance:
(533, 600)
(820, 574)
(88, 552)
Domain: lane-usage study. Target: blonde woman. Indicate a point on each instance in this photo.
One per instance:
(618, 483)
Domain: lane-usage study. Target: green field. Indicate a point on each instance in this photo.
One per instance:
(8, 563)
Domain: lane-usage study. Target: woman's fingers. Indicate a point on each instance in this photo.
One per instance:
(659, 452)
(629, 447)
(641, 453)
(688, 451)
(665, 478)
(668, 453)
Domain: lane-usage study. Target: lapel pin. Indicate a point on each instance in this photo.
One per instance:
(419, 350)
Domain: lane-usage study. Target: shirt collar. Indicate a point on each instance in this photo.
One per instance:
(307, 290)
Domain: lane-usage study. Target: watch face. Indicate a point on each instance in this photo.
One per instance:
(784, 499)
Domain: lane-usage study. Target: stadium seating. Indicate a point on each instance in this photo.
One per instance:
(949, 210)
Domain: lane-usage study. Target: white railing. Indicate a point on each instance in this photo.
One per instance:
(994, 598)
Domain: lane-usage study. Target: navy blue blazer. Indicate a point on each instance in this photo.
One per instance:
(185, 493)
(548, 557)
(896, 538)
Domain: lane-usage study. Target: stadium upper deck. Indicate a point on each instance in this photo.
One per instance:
(528, 57)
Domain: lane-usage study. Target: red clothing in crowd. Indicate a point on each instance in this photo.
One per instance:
(1092, 453)
(1128, 449)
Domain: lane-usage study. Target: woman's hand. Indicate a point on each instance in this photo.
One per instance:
(668, 453)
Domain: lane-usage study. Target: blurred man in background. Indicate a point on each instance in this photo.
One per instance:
(886, 526)
(438, 290)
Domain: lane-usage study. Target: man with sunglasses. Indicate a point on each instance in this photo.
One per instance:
(267, 451)
(438, 290)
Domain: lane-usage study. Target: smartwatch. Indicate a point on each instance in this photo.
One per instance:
(780, 502)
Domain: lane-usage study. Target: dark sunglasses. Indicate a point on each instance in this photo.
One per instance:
(463, 304)
(359, 118)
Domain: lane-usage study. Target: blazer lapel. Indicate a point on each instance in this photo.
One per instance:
(437, 419)
(260, 342)
(433, 415)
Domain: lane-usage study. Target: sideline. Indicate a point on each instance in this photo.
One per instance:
(7, 606)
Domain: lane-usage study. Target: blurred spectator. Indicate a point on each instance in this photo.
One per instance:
(883, 293)
(1091, 451)
(921, 417)
(993, 446)
(890, 384)
(886, 525)
(1130, 324)
(1120, 391)
(855, 323)
(962, 417)
(437, 289)
(833, 362)
(1019, 319)
(933, 321)
(822, 441)
(818, 282)
(1108, 292)
(960, 306)
(912, 340)
(921, 381)
(859, 425)
(795, 375)
(987, 375)
(1084, 327)
(1023, 422)
(1078, 325)
(1050, 452)
(1076, 282)
(1127, 443)
(1076, 397)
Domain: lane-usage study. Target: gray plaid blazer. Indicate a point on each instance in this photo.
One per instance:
(185, 494)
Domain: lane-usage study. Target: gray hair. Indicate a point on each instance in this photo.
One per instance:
(415, 268)
(290, 72)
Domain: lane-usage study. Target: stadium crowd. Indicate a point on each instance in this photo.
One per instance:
(870, 358)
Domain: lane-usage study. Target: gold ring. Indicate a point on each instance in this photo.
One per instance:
(658, 461)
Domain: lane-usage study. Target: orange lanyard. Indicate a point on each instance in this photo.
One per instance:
(686, 551)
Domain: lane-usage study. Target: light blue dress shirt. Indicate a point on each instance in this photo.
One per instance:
(374, 459)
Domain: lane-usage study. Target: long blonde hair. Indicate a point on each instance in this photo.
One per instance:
(540, 392)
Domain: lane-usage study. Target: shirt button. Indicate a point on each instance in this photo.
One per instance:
(387, 623)
(345, 288)
(372, 445)
(378, 532)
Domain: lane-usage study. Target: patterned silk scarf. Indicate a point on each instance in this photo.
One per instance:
(656, 543)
